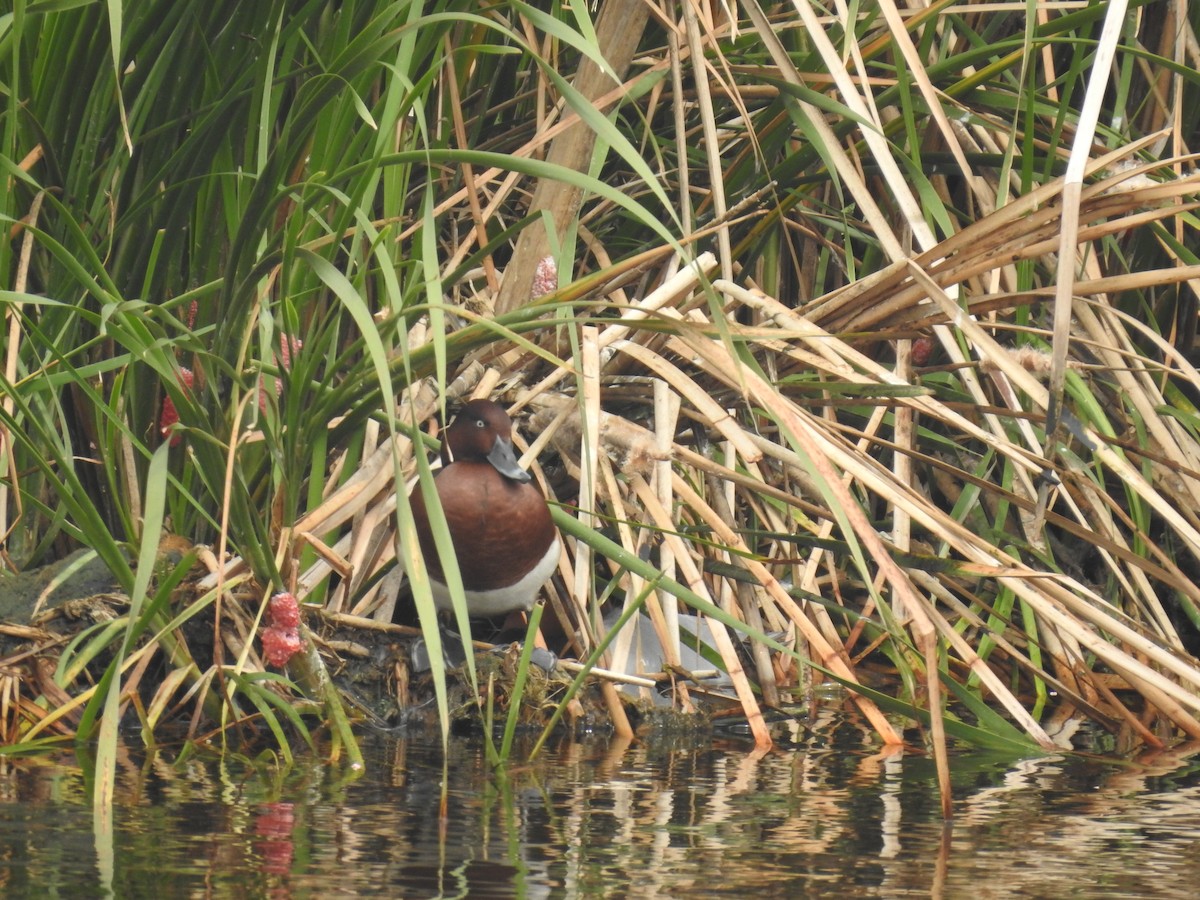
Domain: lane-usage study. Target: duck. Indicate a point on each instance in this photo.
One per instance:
(504, 538)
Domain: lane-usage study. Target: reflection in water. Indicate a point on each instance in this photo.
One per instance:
(659, 818)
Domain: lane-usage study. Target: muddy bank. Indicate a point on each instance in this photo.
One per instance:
(60, 633)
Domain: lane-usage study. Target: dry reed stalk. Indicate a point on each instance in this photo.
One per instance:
(841, 361)
(709, 131)
(1040, 396)
(978, 666)
(666, 420)
(740, 598)
(724, 645)
(1069, 237)
(619, 652)
(589, 451)
(12, 314)
(795, 425)
(1025, 228)
(671, 292)
(829, 655)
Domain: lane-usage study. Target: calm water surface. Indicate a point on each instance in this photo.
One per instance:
(828, 817)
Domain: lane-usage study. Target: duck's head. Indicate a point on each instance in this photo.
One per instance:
(482, 432)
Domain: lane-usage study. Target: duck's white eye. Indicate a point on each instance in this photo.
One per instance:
(479, 423)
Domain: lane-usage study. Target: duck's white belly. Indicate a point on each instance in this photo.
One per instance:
(498, 601)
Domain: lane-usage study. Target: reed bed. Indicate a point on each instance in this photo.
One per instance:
(737, 435)
(865, 336)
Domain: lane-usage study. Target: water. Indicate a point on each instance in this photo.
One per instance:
(832, 817)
